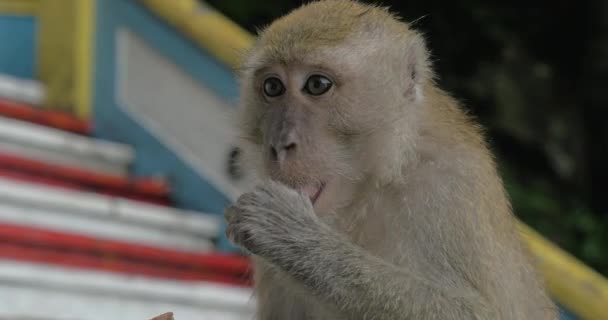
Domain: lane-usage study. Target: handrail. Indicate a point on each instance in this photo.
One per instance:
(573, 284)
(19, 7)
(206, 27)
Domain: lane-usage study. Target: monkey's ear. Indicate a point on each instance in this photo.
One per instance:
(418, 70)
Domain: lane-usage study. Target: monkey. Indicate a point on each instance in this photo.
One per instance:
(376, 195)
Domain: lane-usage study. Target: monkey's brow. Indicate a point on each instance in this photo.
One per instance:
(260, 70)
(256, 68)
(244, 68)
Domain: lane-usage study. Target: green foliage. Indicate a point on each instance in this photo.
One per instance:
(534, 73)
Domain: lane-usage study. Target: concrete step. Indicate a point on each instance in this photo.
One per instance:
(63, 148)
(142, 189)
(49, 118)
(106, 217)
(25, 243)
(23, 90)
(35, 291)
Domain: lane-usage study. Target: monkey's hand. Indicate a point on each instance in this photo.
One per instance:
(279, 225)
(272, 221)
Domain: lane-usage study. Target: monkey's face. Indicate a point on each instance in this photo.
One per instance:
(305, 126)
(328, 103)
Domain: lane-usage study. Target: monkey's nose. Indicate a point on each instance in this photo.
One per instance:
(279, 152)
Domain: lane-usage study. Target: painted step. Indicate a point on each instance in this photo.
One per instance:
(41, 245)
(23, 90)
(104, 229)
(63, 148)
(34, 178)
(142, 189)
(53, 119)
(106, 217)
(68, 259)
(37, 291)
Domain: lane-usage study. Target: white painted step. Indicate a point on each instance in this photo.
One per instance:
(110, 230)
(103, 207)
(60, 147)
(23, 90)
(36, 291)
(104, 216)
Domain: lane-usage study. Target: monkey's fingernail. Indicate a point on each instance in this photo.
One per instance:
(230, 234)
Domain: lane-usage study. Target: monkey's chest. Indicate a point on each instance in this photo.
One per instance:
(280, 298)
(302, 305)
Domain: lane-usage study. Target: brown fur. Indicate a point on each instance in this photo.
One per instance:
(413, 223)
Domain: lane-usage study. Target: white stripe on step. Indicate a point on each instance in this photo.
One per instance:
(60, 158)
(105, 229)
(93, 207)
(58, 143)
(38, 291)
(23, 90)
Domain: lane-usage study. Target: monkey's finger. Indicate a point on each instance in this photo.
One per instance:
(247, 198)
(240, 237)
(232, 234)
(247, 242)
(267, 188)
(231, 214)
(273, 188)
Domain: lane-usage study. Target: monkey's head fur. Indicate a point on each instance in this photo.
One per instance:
(331, 96)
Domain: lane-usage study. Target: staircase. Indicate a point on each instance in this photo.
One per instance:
(80, 238)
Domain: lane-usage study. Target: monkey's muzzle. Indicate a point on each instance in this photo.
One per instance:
(313, 191)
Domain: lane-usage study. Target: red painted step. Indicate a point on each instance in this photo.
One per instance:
(234, 266)
(55, 119)
(27, 177)
(20, 252)
(140, 188)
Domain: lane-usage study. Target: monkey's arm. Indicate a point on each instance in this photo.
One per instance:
(367, 287)
(279, 225)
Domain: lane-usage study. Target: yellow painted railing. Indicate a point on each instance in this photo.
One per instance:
(577, 287)
(65, 38)
(19, 7)
(55, 53)
(84, 53)
(64, 49)
(206, 27)
(572, 283)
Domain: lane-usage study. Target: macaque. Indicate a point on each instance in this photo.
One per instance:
(376, 196)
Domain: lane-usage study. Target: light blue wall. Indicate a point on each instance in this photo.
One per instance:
(110, 122)
(17, 45)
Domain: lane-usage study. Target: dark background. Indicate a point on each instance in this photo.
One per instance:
(534, 73)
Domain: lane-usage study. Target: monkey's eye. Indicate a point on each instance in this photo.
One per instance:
(273, 87)
(317, 85)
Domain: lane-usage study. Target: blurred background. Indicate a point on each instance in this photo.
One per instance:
(117, 156)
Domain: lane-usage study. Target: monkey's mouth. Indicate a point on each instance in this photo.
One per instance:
(313, 191)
